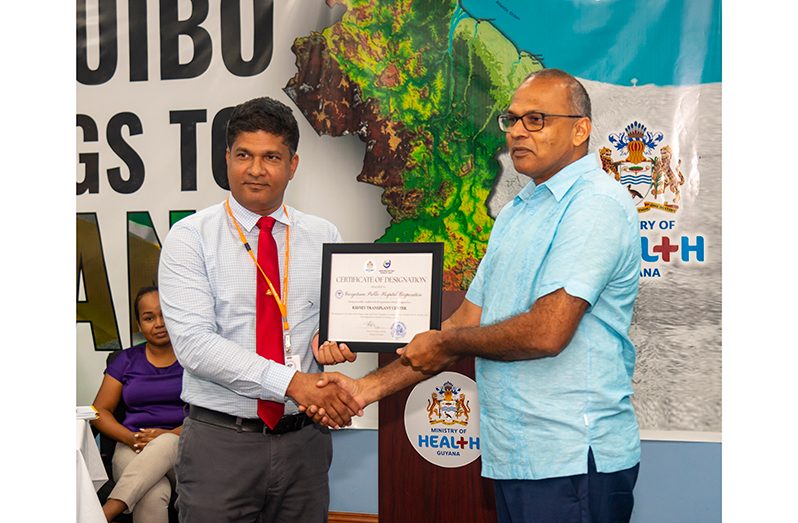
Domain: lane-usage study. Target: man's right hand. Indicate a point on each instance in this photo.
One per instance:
(355, 388)
(338, 404)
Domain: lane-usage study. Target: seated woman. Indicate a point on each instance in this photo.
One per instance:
(148, 379)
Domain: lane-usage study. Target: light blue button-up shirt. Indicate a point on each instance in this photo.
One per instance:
(207, 286)
(577, 231)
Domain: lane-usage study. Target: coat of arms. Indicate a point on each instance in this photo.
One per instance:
(652, 181)
(448, 406)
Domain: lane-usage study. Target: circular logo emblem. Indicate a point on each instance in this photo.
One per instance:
(339, 294)
(398, 330)
(442, 420)
(386, 264)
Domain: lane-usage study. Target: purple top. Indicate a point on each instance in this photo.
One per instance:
(151, 394)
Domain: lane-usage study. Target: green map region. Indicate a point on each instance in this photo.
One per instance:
(421, 83)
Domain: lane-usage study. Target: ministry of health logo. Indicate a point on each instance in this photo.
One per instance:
(652, 180)
(441, 423)
(448, 406)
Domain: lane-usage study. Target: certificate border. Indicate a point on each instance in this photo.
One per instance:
(328, 249)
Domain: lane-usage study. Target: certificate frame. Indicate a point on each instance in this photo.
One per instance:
(378, 251)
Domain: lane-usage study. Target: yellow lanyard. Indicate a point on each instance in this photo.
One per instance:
(281, 304)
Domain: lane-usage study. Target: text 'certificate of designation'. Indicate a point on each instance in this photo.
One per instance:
(378, 296)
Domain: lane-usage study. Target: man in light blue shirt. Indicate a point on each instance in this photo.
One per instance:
(547, 317)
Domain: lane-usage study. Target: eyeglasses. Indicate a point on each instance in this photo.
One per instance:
(532, 121)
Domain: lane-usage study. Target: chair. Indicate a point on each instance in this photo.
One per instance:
(107, 448)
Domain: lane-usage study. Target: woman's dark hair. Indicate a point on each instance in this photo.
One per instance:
(139, 295)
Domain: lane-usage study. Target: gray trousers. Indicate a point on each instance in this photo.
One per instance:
(228, 476)
(144, 480)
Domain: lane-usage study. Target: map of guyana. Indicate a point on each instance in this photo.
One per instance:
(421, 83)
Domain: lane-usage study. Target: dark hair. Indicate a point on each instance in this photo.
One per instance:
(264, 114)
(142, 292)
(577, 94)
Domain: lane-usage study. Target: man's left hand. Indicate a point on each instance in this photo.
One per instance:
(427, 353)
(331, 353)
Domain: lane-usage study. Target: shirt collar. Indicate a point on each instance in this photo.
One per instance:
(563, 180)
(248, 219)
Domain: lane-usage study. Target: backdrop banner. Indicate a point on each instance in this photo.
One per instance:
(397, 104)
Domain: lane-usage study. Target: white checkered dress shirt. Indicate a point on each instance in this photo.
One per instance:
(207, 284)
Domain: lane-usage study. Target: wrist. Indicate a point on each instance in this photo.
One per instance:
(296, 384)
(371, 389)
(277, 380)
(448, 341)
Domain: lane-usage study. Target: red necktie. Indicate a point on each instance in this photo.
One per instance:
(268, 324)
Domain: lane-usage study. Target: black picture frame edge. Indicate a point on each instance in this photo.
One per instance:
(436, 298)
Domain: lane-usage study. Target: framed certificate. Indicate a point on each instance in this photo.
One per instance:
(376, 296)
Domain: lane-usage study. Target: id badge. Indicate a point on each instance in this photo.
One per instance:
(294, 362)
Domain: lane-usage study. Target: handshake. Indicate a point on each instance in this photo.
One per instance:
(332, 398)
